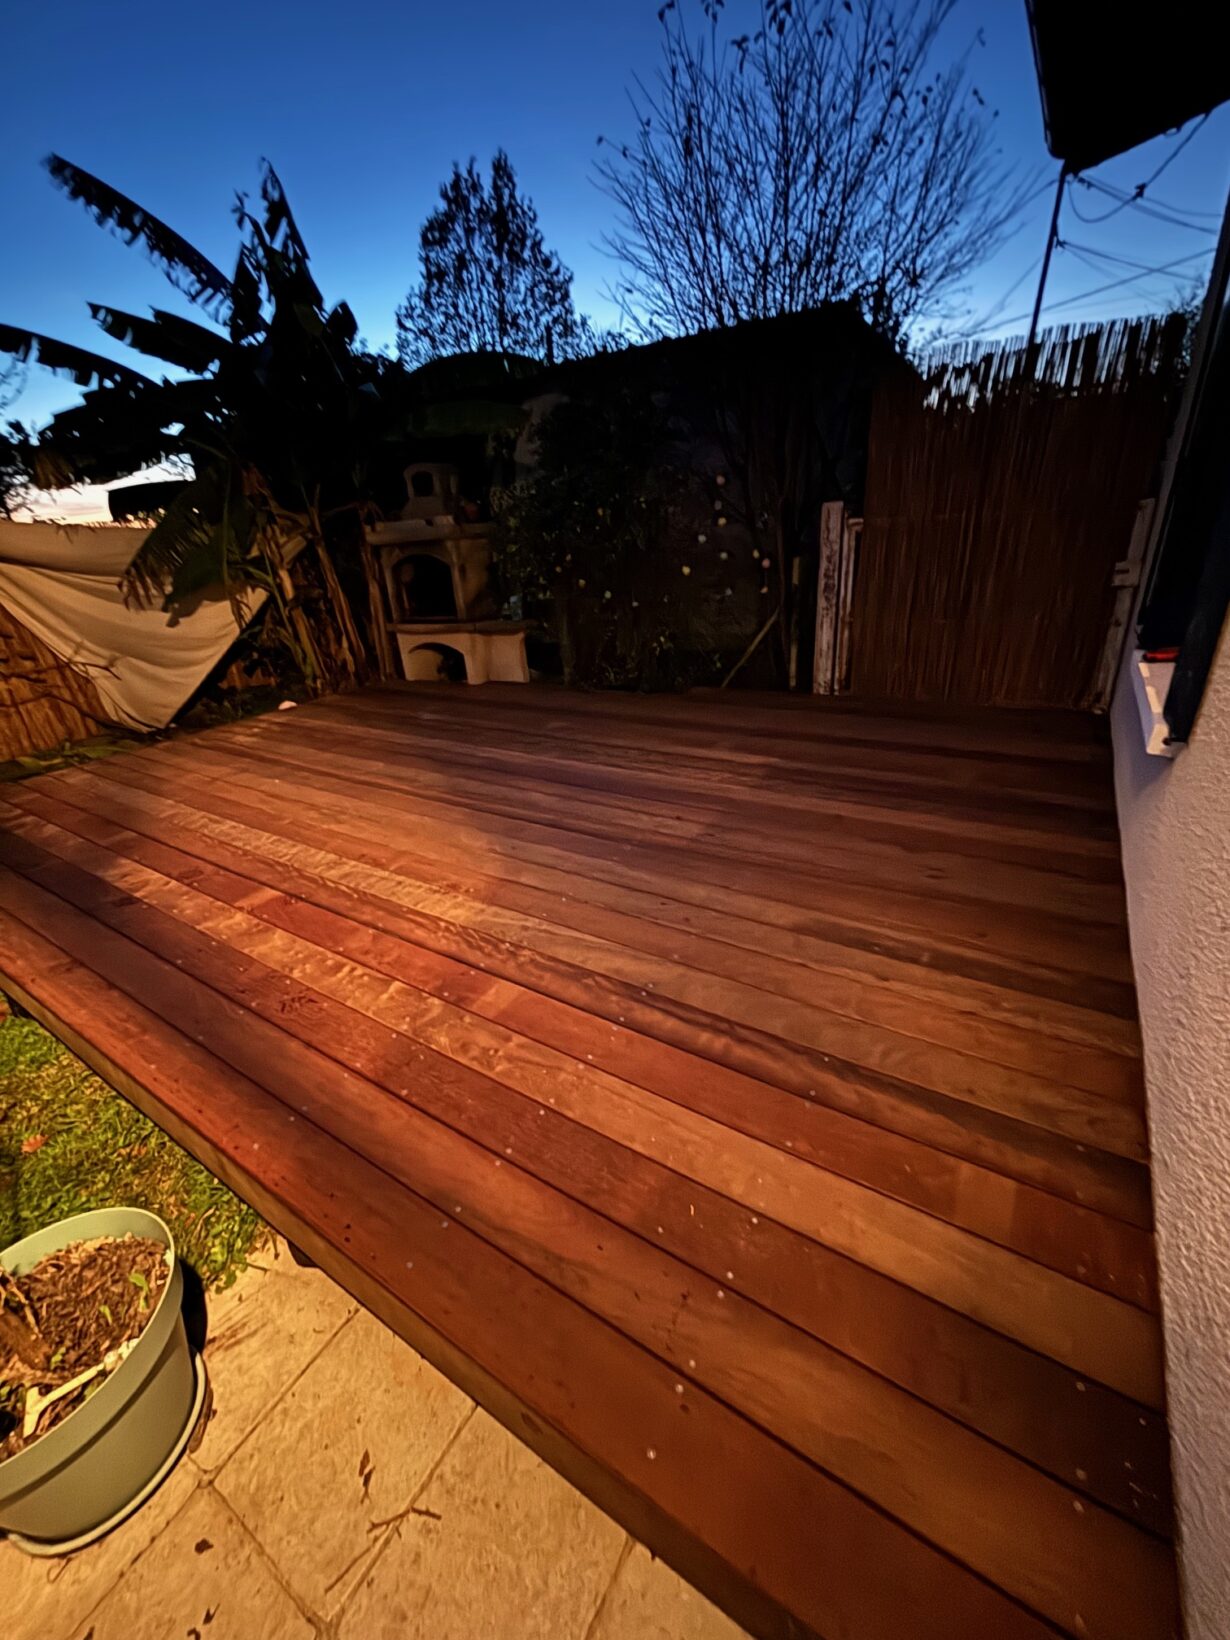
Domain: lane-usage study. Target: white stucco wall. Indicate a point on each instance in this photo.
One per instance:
(1175, 825)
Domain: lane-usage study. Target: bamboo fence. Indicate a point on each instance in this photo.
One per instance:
(1000, 495)
(43, 700)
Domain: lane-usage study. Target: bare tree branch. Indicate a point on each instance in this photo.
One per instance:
(822, 157)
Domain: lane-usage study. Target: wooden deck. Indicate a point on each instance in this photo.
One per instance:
(740, 1098)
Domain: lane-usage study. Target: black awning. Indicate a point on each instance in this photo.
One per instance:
(1113, 75)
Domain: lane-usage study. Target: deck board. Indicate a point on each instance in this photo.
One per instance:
(742, 1098)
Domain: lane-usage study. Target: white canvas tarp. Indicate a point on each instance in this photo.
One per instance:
(62, 584)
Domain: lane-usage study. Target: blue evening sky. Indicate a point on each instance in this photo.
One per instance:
(363, 107)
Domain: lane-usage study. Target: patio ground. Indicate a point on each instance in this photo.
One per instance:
(344, 1488)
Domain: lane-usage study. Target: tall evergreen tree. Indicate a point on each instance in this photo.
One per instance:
(487, 282)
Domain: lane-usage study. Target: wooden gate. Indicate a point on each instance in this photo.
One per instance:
(1000, 497)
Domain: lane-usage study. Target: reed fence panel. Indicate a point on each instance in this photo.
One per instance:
(1001, 492)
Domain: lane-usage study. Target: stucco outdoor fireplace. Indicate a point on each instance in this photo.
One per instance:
(434, 568)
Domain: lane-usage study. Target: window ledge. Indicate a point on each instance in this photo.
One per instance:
(1150, 685)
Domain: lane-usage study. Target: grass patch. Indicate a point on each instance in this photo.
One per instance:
(67, 754)
(68, 1143)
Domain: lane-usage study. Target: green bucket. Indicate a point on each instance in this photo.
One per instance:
(92, 1470)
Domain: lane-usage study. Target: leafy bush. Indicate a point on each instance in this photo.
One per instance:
(613, 542)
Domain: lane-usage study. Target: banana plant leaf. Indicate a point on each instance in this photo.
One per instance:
(187, 269)
(134, 501)
(280, 225)
(246, 317)
(198, 543)
(280, 253)
(280, 415)
(341, 326)
(117, 431)
(166, 336)
(63, 359)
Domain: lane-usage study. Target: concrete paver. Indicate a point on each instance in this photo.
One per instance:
(346, 1448)
(647, 1601)
(206, 1574)
(344, 1489)
(499, 1545)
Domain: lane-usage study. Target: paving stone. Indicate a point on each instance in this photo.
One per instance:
(262, 1334)
(647, 1601)
(503, 1547)
(204, 1576)
(270, 1259)
(348, 1445)
(50, 1599)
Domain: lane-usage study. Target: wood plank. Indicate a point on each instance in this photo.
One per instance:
(770, 1064)
(1040, 939)
(752, 746)
(719, 728)
(736, 828)
(1116, 1257)
(1059, 737)
(806, 806)
(598, 868)
(832, 528)
(718, 944)
(1094, 1334)
(1112, 1121)
(724, 914)
(1017, 1398)
(581, 771)
(1069, 1551)
(1020, 1150)
(770, 1537)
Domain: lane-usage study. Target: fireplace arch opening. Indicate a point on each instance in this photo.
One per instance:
(425, 588)
(435, 663)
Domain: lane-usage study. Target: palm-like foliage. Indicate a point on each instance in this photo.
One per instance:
(187, 269)
(275, 419)
(63, 359)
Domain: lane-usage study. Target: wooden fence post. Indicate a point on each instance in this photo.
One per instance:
(1125, 578)
(851, 539)
(828, 598)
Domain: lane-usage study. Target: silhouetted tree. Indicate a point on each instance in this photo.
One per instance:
(487, 282)
(820, 157)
